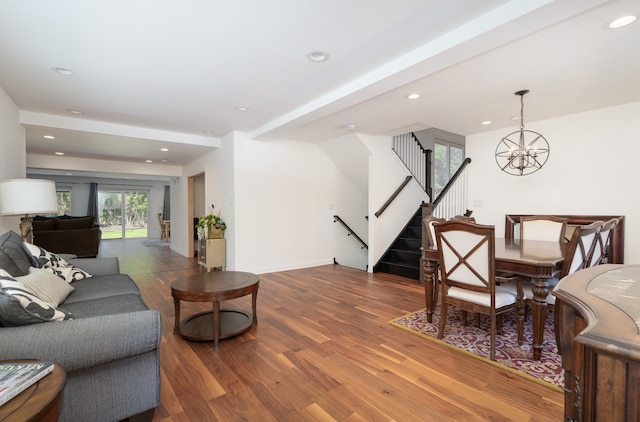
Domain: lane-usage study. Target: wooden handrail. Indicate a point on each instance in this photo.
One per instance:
(394, 196)
(351, 232)
(452, 180)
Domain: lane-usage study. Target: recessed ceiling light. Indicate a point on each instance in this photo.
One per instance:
(69, 174)
(148, 161)
(242, 108)
(351, 126)
(49, 137)
(623, 21)
(413, 96)
(164, 149)
(72, 111)
(209, 132)
(318, 56)
(59, 153)
(63, 71)
(486, 122)
(164, 160)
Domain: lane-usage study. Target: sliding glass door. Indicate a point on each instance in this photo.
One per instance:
(123, 214)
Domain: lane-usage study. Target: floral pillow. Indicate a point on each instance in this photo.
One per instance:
(19, 306)
(56, 265)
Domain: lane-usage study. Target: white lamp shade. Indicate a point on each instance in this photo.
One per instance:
(28, 196)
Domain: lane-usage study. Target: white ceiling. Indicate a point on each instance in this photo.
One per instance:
(159, 73)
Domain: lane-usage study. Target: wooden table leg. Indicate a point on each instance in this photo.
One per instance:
(254, 306)
(430, 268)
(216, 324)
(540, 292)
(176, 306)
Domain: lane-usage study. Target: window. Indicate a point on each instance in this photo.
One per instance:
(64, 200)
(448, 158)
(123, 214)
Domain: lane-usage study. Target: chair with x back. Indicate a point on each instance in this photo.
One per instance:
(467, 263)
(601, 247)
(543, 227)
(578, 256)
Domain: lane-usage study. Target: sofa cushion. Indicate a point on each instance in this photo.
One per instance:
(56, 265)
(101, 286)
(19, 306)
(42, 225)
(13, 256)
(105, 306)
(47, 286)
(74, 223)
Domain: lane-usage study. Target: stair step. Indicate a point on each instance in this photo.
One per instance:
(404, 270)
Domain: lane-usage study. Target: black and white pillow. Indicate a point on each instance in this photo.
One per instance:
(19, 306)
(56, 265)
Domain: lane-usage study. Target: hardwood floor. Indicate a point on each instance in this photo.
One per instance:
(323, 350)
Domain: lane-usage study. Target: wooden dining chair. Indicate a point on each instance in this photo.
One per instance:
(427, 227)
(164, 232)
(602, 240)
(543, 227)
(577, 257)
(467, 265)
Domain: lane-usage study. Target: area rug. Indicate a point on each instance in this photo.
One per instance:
(475, 341)
(155, 243)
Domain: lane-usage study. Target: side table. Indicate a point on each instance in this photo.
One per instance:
(215, 287)
(42, 401)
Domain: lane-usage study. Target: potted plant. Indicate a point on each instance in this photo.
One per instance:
(211, 226)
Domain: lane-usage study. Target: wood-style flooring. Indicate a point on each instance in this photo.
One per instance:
(323, 350)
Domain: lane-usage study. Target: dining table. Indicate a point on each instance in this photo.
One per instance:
(536, 259)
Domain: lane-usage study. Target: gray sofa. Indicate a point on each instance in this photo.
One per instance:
(109, 349)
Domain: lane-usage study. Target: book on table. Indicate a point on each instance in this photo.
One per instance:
(15, 377)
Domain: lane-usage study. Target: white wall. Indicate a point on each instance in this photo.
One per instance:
(351, 157)
(352, 207)
(591, 170)
(386, 174)
(283, 193)
(13, 157)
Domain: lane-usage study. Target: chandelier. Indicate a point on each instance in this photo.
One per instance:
(524, 151)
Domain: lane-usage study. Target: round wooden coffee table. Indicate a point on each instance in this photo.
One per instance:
(215, 287)
(41, 401)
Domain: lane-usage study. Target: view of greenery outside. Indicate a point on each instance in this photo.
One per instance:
(64, 202)
(135, 218)
(447, 159)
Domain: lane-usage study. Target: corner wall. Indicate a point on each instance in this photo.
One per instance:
(13, 157)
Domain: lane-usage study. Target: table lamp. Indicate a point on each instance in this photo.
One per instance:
(28, 197)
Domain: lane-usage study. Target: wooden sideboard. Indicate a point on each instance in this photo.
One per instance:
(615, 254)
(598, 327)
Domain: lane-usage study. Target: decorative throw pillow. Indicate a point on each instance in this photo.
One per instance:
(56, 265)
(13, 258)
(46, 286)
(19, 306)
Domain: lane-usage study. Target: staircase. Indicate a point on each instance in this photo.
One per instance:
(403, 256)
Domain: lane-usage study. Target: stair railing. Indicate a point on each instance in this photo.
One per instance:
(417, 159)
(452, 200)
(393, 196)
(350, 232)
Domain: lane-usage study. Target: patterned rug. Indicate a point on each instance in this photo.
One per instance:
(475, 341)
